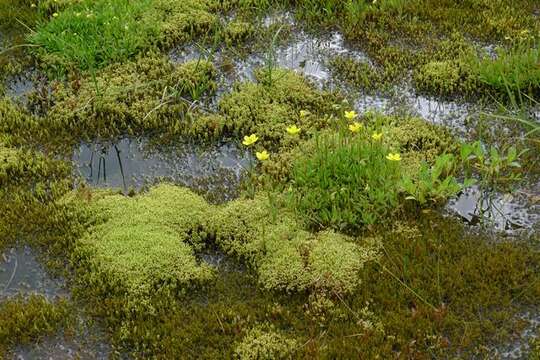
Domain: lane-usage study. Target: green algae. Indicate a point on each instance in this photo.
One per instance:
(23, 321)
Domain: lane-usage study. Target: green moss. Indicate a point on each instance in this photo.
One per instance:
(357, 73)
(445, 77)
(29, 185)
(140, 96)
(147, 242)
(23, 321)
(238, 32)
(19, 127)
(272, 104)
(261, 343)
(416, 139)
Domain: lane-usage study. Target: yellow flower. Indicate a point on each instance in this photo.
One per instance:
(304, 113)
(250, 140)
(33, 5)
(376, 136)
(351, 115)
(293, 130)
(55, 15)
(393, 157)
(263, 155)
(355, 127)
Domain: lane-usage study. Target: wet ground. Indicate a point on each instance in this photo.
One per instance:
(216, 172)
(21, 273)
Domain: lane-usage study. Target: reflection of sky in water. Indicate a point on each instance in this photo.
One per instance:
(21, 273)
(501, 212)
(18, 87)
(132, 163)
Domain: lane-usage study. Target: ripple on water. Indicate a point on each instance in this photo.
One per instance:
(212, 170)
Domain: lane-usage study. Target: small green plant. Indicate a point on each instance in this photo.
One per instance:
(436, 183)
(495, 168)
(514, 69)
(347, 182)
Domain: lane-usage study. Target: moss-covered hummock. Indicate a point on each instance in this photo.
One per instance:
(149, 242)
(146, 243)
(273, 103)
(148, 95)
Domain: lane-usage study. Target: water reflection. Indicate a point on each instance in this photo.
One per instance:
(214, 171)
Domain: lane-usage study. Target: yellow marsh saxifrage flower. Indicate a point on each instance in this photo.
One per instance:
(351, 115)
(55, 15)
(263, 155)
(376, 136)
(393, 157)
(250, 140)
(293, 129)
(355, 127)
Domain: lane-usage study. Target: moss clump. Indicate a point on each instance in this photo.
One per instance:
(445, 78)
(19, 127)
(272, 104)
(29, 186)
(417, 140)
(144, 243)
(27, 320)
(360, 74)
(237, 32)
(147, 243)
(105, 107)
(285, 256)
(268, 344)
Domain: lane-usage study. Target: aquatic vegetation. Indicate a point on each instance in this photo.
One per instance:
(336, 245)
(148, 242)
(238, 32)
(26, 320)
(446, 78)
(88, 35)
